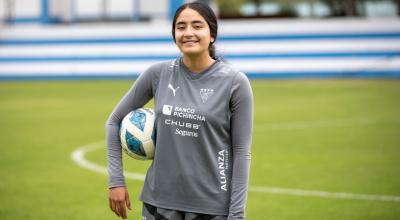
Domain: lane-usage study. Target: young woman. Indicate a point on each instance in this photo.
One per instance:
(204, 119)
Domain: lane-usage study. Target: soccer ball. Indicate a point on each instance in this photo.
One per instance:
(137, 134)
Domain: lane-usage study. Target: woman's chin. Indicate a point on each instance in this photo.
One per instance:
(191, 52)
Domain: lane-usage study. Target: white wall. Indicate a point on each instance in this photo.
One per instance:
(66, 10)
(24, 8)
(3, 9)
(88, 8)
(117, 65)
(61, 9)
(120, 7)
(157, 7)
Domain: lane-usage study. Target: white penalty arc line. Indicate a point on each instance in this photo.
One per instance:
(78, 156)
(340, 122)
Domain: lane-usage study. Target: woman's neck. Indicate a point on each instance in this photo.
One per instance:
(197, 64)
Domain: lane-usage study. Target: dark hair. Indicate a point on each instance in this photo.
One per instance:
(207, 13)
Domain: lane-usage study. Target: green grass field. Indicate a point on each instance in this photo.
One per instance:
(328, 135)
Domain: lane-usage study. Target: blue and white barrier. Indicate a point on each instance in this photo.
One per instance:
(261, 49)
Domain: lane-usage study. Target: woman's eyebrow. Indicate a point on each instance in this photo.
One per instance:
(197, 22)
(180, 23)
(193, 22)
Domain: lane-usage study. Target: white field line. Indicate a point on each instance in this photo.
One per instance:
(320, 123)
(78, 156)
(324, 194)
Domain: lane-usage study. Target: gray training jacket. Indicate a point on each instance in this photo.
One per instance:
(204, 125)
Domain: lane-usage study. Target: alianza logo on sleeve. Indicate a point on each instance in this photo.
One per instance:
(184, 120)
(223, 166)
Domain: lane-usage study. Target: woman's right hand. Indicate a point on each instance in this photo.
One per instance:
(118, 199)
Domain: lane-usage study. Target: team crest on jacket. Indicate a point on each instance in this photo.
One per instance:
(205, 94)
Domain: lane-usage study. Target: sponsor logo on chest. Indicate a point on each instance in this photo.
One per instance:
(183, 118)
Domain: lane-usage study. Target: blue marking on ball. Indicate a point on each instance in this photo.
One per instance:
(134, 144)
(138, 118)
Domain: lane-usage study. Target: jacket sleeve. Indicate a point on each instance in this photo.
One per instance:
(139, 94)
(241, 105)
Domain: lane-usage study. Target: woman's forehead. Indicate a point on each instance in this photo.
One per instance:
(189, 15)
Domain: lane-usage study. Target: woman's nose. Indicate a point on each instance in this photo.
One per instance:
(188, 31)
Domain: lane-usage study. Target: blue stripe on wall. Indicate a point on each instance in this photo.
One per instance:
(44, 14)
(393, 74)
(319, 55)
(20, 20)
(384, 74)
(81, 40)
(316, 55)
(65, 77)
(172, 6)
(136, 10)
(23, 20)
(265, 37)
(84, 58)
(317, 36)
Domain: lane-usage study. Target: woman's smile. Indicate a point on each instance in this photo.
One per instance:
(189, 42)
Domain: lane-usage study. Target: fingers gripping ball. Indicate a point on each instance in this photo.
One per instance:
(137, 134)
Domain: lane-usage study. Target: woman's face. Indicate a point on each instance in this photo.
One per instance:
(192, 33)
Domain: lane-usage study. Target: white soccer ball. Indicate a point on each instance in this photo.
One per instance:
(137, 134)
